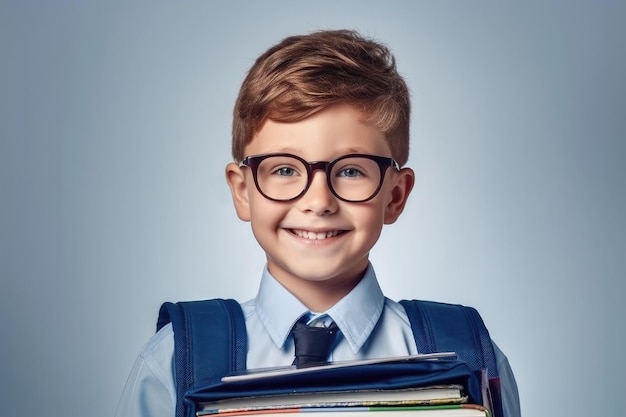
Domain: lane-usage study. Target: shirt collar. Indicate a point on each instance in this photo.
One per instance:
(356, 314)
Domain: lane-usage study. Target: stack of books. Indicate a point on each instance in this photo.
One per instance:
(439, 400)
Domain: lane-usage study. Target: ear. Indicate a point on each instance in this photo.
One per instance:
(239, 190)
(403, 184)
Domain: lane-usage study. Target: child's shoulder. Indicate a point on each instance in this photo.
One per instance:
(160, 344)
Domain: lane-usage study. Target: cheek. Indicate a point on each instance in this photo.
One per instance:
(370, 217)
(263, 225)
(265, 214)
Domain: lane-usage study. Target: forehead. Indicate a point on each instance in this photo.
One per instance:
(331, 132)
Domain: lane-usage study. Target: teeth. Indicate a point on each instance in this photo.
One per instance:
(316, 236)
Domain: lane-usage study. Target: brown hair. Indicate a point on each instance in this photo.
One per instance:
(302, 75)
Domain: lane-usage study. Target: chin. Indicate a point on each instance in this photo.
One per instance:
(327, 275)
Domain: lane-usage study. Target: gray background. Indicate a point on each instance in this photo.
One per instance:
(114, 127)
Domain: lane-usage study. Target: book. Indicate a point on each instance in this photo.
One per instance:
(262, 373)
(349, 398)
(448, 410)
(421, 385)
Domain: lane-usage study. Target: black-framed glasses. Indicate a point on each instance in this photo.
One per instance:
(354, 178)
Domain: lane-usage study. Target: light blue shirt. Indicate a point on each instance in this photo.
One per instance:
(372, 326)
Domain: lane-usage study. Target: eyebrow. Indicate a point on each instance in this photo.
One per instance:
(299, 152)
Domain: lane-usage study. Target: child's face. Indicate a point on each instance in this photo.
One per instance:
(318, 237)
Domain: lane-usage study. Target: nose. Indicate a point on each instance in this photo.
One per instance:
(318, 198)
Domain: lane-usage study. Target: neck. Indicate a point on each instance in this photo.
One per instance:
(319, 296)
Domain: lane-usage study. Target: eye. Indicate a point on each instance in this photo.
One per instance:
(285, 171)
(350, 172)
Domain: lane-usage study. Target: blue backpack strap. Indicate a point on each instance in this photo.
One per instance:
(209, 342)
(441, 327)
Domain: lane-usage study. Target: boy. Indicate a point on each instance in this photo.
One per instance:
(330, 96)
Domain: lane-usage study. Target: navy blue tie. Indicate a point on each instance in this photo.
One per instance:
(313, 344)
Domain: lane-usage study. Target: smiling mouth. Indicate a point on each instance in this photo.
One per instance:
(306, 234)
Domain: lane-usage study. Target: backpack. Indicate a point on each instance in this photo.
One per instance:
(216, 329)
